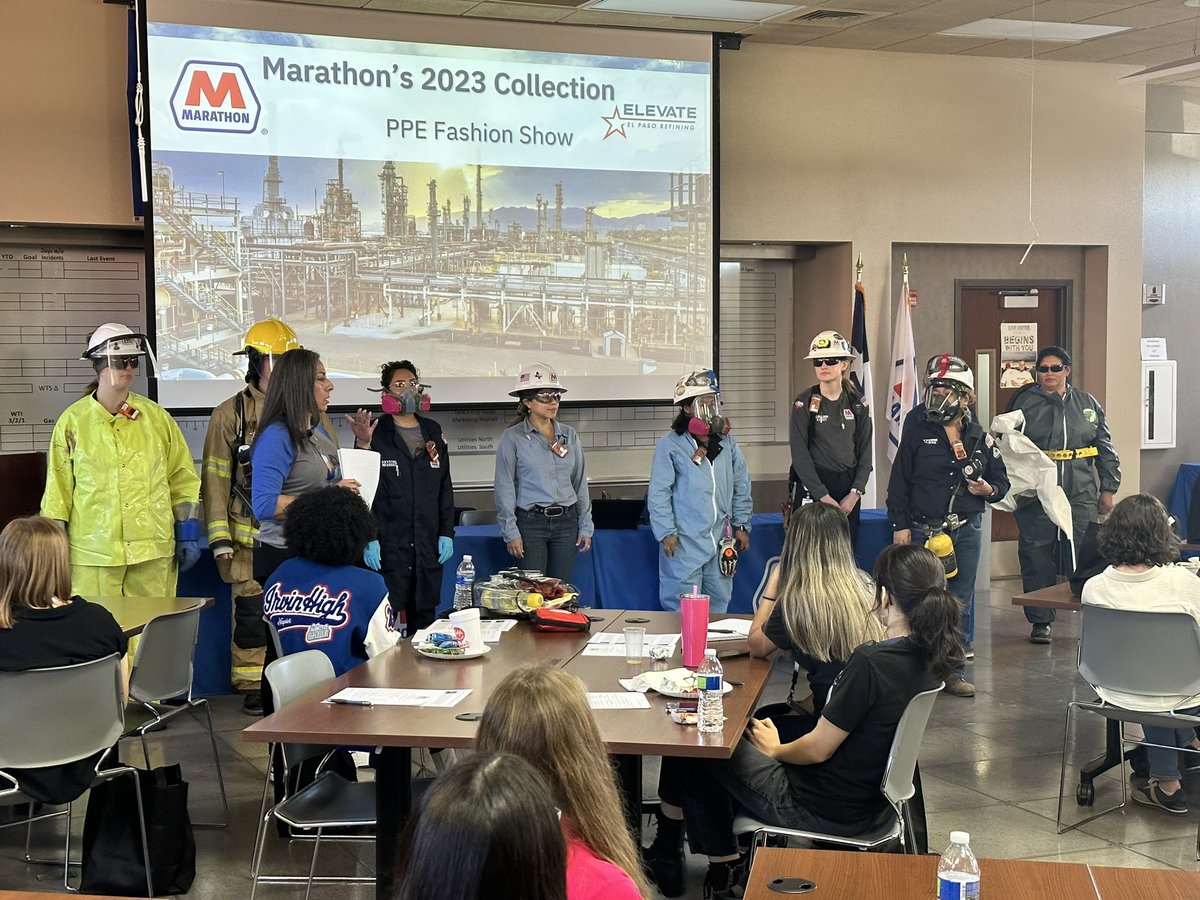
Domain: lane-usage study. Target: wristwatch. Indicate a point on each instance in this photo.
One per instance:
(856, 491)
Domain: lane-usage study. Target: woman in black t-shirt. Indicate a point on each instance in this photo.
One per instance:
(817, 604)
(827, 780)
(41, 630)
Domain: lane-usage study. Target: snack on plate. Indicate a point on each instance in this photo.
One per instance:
(442, 645)
(684, 716)
(678, 684)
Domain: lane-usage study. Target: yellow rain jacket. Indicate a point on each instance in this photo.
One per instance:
(119, 484)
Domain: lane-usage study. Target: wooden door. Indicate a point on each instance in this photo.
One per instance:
(1010, 323)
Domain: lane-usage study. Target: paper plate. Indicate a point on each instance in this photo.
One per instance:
(469, 654)
(726, 687)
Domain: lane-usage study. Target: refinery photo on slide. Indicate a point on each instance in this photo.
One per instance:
(477, 269)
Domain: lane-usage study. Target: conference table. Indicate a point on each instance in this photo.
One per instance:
(621, 569)
(842, 875)
(629, 733)
(132, 613)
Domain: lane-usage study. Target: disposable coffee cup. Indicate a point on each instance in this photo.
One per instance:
(634, 638)
(466, 628)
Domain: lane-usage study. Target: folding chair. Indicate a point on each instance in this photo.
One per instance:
(330, 801)
(897, 788)
(66, 714)
(162, 671)
(1154, 654)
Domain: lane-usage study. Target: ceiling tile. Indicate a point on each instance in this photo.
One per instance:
(1012, 49)
(1147, 15)
(1068, 11)
(940, 43)
(526, 12)
(441, 7)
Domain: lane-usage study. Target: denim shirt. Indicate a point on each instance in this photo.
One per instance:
(529, 473)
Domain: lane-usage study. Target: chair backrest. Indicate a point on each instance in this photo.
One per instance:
(479, 517)
(273, 637)
(162, 666)
(906, 745)
(290, 678)
(768, 569)
(1139, 652)
(56, 716)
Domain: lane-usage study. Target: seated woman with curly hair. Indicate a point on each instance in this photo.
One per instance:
(321, 600)
(1138, 542)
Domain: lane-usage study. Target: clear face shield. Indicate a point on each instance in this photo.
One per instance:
(121, 353)
(943, 402)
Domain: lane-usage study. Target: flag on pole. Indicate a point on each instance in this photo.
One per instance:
(906, 384)
(860, 374)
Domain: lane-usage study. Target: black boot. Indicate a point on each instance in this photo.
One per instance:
(663, 859)
(725, 880)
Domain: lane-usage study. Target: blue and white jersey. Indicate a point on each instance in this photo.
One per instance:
(343, 611)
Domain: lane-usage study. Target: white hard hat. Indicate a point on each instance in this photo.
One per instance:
(948, 368)
(827, 345)
(697, 384)
(114, 339)
(538, 377)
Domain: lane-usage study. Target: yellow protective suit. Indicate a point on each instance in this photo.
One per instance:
(120, 485)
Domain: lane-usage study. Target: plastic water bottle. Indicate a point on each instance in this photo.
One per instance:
(958, 870)
(710, 710)
(464, 584)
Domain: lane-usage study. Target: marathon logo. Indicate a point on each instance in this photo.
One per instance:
(215, 96)
(297, 609)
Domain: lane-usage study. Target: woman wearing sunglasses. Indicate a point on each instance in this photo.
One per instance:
(830, 433)
(542, 498)
(1068, 424)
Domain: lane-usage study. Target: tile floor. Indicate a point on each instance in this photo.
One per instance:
(990, 766)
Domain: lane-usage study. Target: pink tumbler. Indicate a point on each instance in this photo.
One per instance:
(693, 614)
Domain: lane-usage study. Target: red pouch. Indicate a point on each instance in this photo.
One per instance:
(559, 620)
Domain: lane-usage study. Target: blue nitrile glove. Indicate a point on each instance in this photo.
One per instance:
(371, 556)
(445, 549)
(187, 543)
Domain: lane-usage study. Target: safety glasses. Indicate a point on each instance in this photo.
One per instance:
(547, 397)
(829, 361)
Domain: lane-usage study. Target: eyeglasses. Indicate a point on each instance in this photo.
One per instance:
(1045, 369)
(547, 397)
(406, 385)
(835, 361)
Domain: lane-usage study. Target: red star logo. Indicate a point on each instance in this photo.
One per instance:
(614, 129)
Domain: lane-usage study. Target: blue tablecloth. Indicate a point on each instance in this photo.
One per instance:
(621, 570)
(1181, 495)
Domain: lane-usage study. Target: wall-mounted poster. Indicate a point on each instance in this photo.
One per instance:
(1018, 353)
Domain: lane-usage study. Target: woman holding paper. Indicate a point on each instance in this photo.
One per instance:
(295, 451)
(414, 505)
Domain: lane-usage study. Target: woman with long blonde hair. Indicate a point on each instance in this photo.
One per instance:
(541, 714)
(818, 602)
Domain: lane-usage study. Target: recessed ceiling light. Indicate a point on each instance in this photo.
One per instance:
(1024, 29)
(726, 10)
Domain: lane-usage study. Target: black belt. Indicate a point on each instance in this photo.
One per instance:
(550, 512)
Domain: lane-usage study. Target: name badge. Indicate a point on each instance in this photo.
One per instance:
(848, 415)
(814, 404)
(559, 449)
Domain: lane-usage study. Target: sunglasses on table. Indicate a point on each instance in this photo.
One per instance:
(547, 397)
(830, 361)
(1045, 369)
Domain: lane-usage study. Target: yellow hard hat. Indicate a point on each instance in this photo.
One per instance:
(271, 337)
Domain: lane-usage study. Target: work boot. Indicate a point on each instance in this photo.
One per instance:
(1040, 633)
(725, 880)
(663, 859)
(959, 686)
(252, 703)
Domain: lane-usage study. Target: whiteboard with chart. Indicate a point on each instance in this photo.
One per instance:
(51, 299)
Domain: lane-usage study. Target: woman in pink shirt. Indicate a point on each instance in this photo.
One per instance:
(542, 715)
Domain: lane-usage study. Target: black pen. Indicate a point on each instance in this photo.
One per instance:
(345, 702)
(723, 631)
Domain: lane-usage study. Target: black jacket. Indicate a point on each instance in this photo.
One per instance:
(414, 505)
(926, 475)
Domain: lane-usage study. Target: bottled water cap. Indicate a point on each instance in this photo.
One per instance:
(710, 652)
(960, 837)
(466, 557)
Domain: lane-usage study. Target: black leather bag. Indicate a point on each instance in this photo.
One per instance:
(112, 843)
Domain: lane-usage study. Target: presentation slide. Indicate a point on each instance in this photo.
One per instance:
(475, 209)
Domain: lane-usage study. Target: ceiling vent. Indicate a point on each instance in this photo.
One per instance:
(834, 18)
